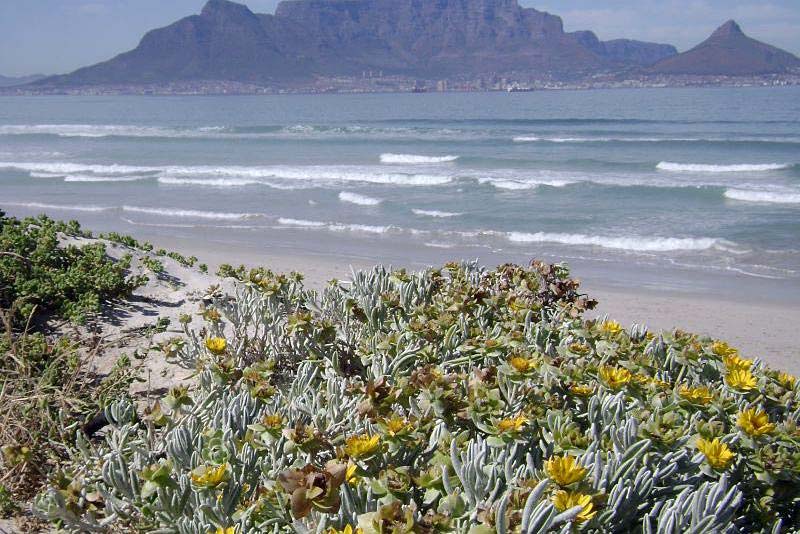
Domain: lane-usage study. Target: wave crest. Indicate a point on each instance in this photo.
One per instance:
(739, 167)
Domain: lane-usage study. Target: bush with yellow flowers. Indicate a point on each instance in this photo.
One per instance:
(452, 400)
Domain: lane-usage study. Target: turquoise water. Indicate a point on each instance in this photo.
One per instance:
(703, 181)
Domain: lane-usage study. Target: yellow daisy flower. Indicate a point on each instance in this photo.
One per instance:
(721, 349)
(741, 379)
(611, 327)
(362, 445)
(754, 422)
(513, 424)
(521, 364)
(564, 500)
(216, 345)
(696, 395)
(564, 470)
(581, 390)
(614, 377)
(210, 476)
(733, 363)
(786, 380)
(718, 455)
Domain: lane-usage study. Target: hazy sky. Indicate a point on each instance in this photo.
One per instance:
(54, 36)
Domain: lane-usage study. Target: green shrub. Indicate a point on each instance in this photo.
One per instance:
(46, 278)
(459, 400)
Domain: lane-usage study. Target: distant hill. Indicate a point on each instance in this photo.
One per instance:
(306, 39)
(10, 81)
(729, 52)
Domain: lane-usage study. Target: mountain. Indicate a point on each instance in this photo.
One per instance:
(729, 52)
(306, 39)
(11, 81)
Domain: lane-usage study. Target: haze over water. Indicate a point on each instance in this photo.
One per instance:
(633, 184)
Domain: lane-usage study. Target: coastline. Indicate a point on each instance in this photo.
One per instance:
(760, 326)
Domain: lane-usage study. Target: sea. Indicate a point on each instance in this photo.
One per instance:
(689, 189)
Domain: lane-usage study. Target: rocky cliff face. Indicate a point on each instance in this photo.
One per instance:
(309, 38)
(729, 52)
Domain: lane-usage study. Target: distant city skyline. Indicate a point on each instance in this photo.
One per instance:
(58, 36)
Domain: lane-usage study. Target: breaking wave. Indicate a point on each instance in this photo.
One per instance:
(740, 167)
(361, 200)
(61, 207)
(631, 243)
(436, 213)
(762, 196)
(195, 214)
(414, 159)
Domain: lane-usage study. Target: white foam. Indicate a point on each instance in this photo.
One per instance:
(64, 168)
(639, 244)
(763, 196)
(300, 222)
(45, 175)
(62, 207)
(414, 159)
(523, 183)
(96, 178)
(196, 214)
(436, 213)
(335, 227)
(740, 167)
(209, 182)
(327, 174)
(361, 200)
(527, 139)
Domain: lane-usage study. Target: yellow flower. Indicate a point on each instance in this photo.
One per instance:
(580, 348)
(697, 395)
(397, 425)
(273, 422)
(346, 530)
(718, 455)
(564, 500)
(521, 364)
(741, 379)
(614, 377)
(216, 345)
(581, 390)
(734, 363)
(564, 470)
(786, 380)
(362, 445)
(210, 476)
(720, 348)
(611, 327)
(350, 475)
(225, 530)
(513, 424)
(755, 422)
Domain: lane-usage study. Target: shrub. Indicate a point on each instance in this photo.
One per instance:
(44, 277)
(451, 400)
(46, 395)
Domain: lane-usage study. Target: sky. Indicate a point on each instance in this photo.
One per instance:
(57, 36)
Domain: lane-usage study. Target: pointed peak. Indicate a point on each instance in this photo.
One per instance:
(729, 29)
(214, 8)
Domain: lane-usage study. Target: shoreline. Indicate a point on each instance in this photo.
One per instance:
(760, 327)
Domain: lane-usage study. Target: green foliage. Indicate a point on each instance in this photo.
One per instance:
(455, 400)
(157, 266)
(46, 395)
(44, 277)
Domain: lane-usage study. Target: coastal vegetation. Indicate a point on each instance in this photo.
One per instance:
(459, 399)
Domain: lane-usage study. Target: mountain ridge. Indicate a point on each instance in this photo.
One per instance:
(306, 39)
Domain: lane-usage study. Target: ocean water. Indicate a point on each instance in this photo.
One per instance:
(679, 184)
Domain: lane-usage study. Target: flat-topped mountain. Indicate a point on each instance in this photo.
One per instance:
(729, 52)
(306, 39)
